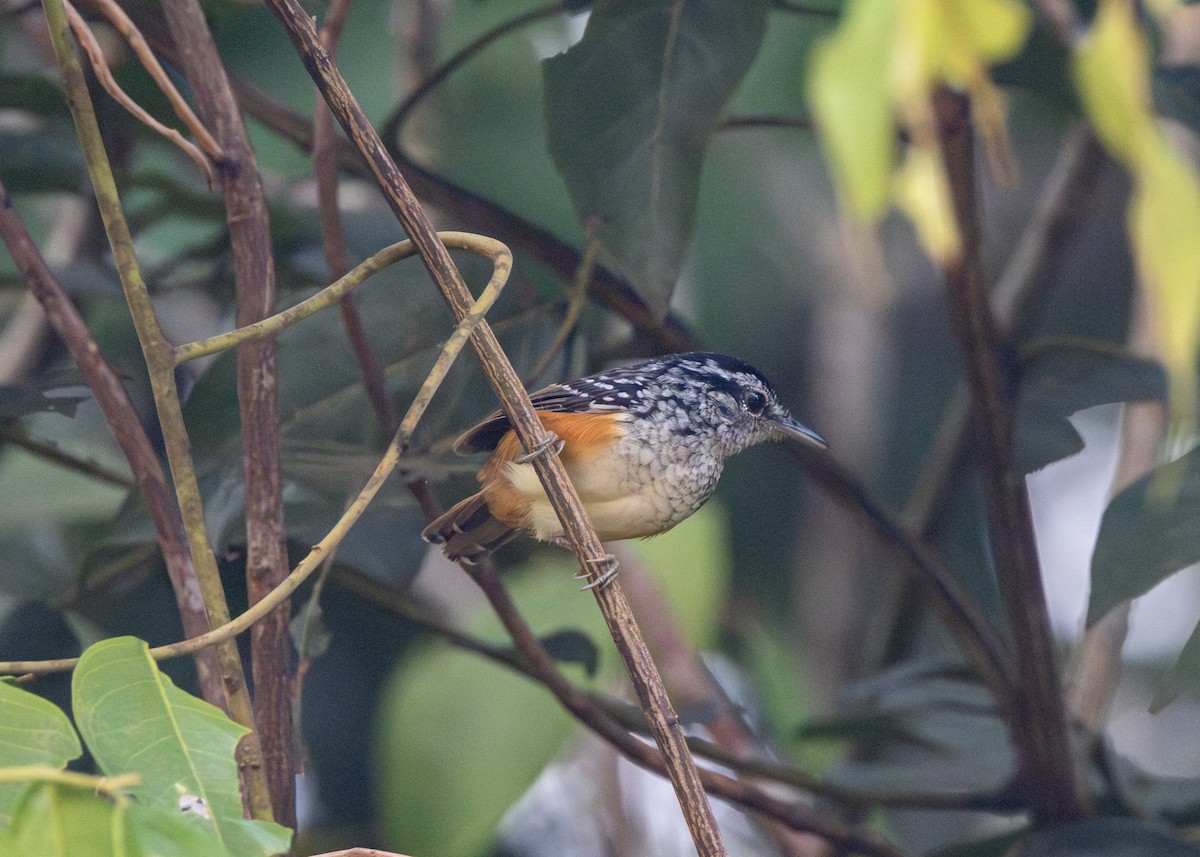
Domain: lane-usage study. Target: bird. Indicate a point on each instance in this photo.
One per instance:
(644, 446)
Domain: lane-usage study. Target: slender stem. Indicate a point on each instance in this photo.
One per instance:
(160, 365)
(792, 814)
(324, 158)
(514, 399)
(1038, 719)
(51, 452)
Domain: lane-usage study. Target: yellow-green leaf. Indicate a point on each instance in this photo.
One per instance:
(1164, 221)
(923, 192)
(1112, 79)
(847, 89)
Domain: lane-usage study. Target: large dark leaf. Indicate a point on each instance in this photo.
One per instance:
(1060, 380)
(1149, 531)
(629, 111)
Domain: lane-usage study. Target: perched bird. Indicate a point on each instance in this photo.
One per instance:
(644, 446)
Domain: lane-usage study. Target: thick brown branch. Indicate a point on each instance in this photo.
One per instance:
(1038, 718)
(254, 271)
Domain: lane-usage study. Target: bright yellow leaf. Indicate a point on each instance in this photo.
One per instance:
(923, 193)
(1111, 75)
(1164, 222)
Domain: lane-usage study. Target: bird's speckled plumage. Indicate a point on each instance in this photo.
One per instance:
(670, 423)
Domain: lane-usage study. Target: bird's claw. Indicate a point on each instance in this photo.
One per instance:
(550, 441)
(605, 567)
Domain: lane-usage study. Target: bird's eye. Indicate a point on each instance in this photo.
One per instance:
(756, 402)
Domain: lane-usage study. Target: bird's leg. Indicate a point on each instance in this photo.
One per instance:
(550, 441)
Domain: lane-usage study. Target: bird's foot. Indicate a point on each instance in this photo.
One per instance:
(550, 441)
(605, 567)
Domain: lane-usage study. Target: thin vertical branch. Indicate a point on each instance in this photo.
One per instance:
(664, 723)
(1038, 724)
(160, 363)
(254, 271)
(325, 167)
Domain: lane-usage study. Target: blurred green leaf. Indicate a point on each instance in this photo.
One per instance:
(504, 730)
(1107, 837)
(31, 92)
(59, 821)
(134, 720)
(847, 88)
(39, 161)
(1184, 673)
(1148, 533)
(1062, 379)
(1111, 71)
(18, 400)
(573, 647)
(952, 739)
(629, 111)
(32, 732)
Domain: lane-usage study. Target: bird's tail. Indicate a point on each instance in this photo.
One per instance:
(468, 530)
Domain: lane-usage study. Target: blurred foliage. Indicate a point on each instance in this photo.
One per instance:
(676, 135)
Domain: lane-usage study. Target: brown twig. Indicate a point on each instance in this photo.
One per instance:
(394, 123)
(1039, 727)
(159, 357)
(515, 401)
(254, 274)
(95, 55)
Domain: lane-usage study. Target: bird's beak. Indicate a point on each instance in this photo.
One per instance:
(792, 429)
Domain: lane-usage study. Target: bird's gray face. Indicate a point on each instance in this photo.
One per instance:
(748, 412)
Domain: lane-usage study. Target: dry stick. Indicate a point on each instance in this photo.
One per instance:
(105, 385)
(159, 358)
(124, 25)
(1047, 766)
(257, 385)
(515, 400)
(502, 265)
(95, 55)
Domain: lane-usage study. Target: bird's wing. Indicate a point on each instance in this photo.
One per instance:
(595, 394)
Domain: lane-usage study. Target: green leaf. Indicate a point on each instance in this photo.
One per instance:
(134, 720)
(17, 400)
(1108, 837)
(847, 87)
(629, 112)
(32, 732)
(573, 647)
(39, 162)
(60, 821)
(1183, 673)
(504, 729)
(1148, 533)
(1062, 379)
